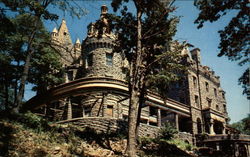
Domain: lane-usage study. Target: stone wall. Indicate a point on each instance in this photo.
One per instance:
(98, 49)
(186, 137)
(107, 125)
(102, 104)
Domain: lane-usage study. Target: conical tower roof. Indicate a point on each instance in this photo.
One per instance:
(78, 41)
(55, 30)
(63, 33)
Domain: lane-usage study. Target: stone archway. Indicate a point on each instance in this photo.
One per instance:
(199, 128)
(218, 127)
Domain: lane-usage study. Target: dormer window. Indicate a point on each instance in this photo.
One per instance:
(65, 33)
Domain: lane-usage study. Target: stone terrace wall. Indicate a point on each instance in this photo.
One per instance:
(187, 137)
(107, 125)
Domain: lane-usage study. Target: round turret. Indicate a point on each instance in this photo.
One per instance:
(99, 58)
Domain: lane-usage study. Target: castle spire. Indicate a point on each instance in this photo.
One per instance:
(104, 10)
(63, 33)
(78, 44)
(55, 30)
(78, 41)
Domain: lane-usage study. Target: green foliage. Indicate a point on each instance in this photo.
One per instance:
(167, 131)
(162, 59)
(235, 38)
(31, 120)
(26, 43)
(46, 69)
(243, 126)
(181, 144)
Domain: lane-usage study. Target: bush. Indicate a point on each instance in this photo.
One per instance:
(181, 144)
(167, 132)
(31, 120)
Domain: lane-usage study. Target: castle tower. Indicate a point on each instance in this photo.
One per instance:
(101, 61)
(77, 49)
(54, 34)
(99, 58)
(196, 55)
(64, 35)
(61, 40)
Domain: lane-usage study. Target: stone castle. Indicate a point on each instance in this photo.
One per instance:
(95, 93)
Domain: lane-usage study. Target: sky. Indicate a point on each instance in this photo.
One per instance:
(206, 39)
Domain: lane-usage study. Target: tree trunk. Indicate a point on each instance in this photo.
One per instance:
(135, 81)
(141, 103)
(25, 73)
(23, 81)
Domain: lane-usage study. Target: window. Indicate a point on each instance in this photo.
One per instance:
(86, 112)
(90, 59)
(209, 102)
(207, 86)
(109, 59)
(225, 108)
(215, 92)
(70, 75)
(152, 111)
(217, 107)
(196, 99)
(223, 95)
(110, 110)
(194, 81)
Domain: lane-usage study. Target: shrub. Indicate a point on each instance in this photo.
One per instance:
(167, 132)
(31, 120)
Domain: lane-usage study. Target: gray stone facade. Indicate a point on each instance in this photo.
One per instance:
(196, 104)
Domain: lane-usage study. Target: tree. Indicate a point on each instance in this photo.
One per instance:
(146, 41)
(39, 11)
(243, 125)
(13, 56)
(235, 38)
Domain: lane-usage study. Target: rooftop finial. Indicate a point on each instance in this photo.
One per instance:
(104, 9)
(78, 41)
(63, 20)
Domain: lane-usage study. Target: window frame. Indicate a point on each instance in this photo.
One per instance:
(109, 59)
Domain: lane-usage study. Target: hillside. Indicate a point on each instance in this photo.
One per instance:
(31, 136)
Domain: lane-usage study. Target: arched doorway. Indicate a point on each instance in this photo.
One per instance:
(218, 127)
(199, 129)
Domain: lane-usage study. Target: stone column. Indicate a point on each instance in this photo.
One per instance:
(224, 129)
(159, 117)
(212, 127)
(176, 121)
(69, 114)
(248, 149)
(236, 147)
(217, 146)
